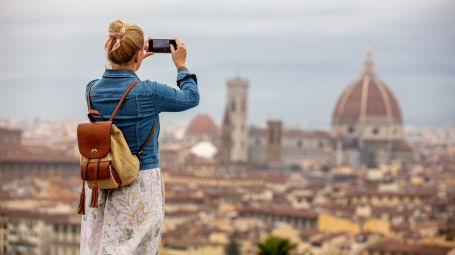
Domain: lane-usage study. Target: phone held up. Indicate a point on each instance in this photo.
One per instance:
(161, 45)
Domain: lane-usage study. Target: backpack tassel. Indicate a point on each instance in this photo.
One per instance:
(81, 208)
(94, 200)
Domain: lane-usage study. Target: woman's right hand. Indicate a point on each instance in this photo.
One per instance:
(179, 54)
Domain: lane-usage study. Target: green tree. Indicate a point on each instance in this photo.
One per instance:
(232, 248)
(275, 246)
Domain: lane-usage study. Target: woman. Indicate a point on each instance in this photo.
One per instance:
(129, 220)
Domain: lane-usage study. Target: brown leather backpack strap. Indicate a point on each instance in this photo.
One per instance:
(139, 152)
(92, 113)
(117, 108)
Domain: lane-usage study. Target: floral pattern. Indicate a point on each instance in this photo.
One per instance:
(128, 220)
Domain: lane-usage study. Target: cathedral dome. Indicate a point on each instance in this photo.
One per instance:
(367, 99)
(202, 124)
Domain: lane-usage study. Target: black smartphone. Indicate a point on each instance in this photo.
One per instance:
(161, 45)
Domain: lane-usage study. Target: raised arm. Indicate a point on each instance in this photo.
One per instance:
(169, 99)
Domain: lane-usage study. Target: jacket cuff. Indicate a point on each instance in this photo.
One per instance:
(184, 74)
(182, 68)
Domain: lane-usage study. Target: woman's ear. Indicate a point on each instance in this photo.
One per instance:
(138, 56)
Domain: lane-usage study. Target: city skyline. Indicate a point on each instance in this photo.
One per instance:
(323, 126)
(411, 40)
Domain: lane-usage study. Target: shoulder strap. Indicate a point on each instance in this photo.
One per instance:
(91, 112)
(139, 152)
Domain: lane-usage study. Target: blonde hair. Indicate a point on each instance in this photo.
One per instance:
(130, 38)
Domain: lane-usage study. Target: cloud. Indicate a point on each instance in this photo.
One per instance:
(308, 47)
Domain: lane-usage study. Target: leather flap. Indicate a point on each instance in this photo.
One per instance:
(94, 138)
(103, 170)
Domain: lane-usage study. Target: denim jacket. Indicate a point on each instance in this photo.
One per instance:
(143, 104)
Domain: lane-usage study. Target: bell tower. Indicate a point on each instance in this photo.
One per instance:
(235, 124)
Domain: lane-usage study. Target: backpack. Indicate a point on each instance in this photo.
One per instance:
(106, 161)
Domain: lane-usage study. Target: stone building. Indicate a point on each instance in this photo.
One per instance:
(18, 160)
(38, 233)
(276, 144)
(299, 219)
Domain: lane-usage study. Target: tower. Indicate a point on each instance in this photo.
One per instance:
(274, 141)
(235, 127)
(225, 140)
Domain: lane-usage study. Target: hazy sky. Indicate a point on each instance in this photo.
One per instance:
(297, 55)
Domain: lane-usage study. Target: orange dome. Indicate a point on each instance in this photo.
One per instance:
(367, 98)
(202, 124)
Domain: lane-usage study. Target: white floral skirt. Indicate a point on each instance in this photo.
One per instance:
(129, 220)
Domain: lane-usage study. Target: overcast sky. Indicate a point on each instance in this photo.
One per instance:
(297, 55)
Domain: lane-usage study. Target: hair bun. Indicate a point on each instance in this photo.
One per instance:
(116, 26)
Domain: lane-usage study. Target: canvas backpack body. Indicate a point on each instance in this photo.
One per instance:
(106, 161)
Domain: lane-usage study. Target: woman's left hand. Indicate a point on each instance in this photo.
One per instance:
(147, 54)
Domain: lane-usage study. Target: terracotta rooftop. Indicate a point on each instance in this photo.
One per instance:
(184, 197)
(278, 211)
(202, 124)
(304, 132)
(254, 130)
(392, 245)
(321, 238)
(33, 154)
(36, 215)
(7, 130)
(405, 193)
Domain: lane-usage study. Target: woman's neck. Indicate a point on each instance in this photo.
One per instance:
(123, 67)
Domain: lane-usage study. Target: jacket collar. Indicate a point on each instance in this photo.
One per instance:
(119, 73)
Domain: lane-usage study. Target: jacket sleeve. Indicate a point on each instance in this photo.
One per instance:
(169, 99)
(89, 87)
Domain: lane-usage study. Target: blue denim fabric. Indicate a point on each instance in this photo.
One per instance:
(143, 104)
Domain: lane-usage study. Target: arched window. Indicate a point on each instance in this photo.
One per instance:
(233, 106)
